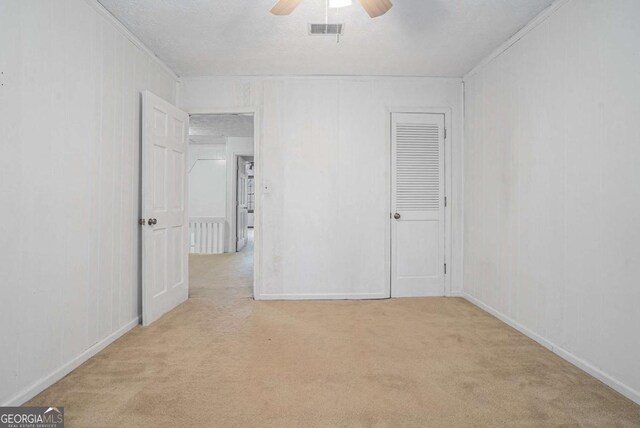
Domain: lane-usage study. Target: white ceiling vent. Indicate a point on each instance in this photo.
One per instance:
(326, 29)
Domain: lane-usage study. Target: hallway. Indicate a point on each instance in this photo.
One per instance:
(222, 276)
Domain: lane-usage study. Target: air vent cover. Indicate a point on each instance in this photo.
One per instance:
(326, 29)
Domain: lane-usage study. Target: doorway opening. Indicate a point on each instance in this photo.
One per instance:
(221, 204)
(245, 201)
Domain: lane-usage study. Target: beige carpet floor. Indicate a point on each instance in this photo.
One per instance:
(224, 360)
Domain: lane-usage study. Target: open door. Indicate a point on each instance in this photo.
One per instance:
(242, 212)
(165, 249)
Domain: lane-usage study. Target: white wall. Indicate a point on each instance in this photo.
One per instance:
(324, 153)
(207, 180)
(552, 187)
(69, 179)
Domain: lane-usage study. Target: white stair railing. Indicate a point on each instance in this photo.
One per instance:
(207, 235)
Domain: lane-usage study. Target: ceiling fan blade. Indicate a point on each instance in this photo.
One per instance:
(285, 7)
(376, 7)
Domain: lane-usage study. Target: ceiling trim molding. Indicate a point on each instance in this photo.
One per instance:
(366, 78)
(539, 19)
(132, 38)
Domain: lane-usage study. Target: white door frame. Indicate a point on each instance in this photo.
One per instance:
(258, 180)
(448, 177)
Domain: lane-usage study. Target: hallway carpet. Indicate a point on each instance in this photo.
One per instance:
(224, 360)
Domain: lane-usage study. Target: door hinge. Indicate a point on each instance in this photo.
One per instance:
(445, 268)
(445, 133)
(445, 201)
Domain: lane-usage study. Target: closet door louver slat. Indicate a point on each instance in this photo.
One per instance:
(417, 167)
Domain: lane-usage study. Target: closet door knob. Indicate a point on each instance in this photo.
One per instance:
(396, 216)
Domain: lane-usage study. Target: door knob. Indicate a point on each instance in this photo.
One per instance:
(396, 216)
(152, 221)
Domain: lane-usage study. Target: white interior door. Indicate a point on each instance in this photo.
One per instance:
(242, 223)
(165, 249)
(417, 204)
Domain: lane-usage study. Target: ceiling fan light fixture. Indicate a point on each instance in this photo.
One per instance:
(335, 4)
(374, 8)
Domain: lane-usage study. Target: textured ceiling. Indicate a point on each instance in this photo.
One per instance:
(241, 37)
(219, 126)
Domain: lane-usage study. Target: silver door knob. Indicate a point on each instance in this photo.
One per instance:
(396, 216)
(152, 221)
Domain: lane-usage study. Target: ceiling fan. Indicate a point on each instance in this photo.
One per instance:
(373, 7)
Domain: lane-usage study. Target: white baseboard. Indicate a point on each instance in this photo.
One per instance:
(322, 296)
(42, 384)
(603, 377)
(338, 296)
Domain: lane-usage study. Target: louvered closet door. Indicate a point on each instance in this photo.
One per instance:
(417, 203)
